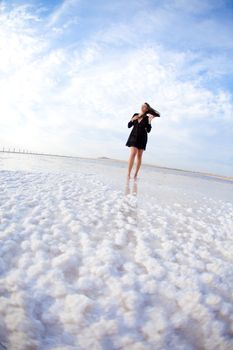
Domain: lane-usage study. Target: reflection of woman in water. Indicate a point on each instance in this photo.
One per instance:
(137, 139)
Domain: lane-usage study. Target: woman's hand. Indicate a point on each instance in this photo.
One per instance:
(151, 116)
(136, 117)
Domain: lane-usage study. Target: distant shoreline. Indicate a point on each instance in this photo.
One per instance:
(229, 178)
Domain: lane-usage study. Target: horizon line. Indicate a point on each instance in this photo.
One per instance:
(230, 178)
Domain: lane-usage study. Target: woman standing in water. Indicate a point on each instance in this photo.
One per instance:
(137, 139)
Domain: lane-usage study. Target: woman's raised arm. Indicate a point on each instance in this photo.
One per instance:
(131, 122)
(148, 125)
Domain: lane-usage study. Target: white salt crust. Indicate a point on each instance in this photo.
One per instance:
(84, 265)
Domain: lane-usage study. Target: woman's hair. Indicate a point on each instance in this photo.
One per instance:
(152, 110)
(146, 103)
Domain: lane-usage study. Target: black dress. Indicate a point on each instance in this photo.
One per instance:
(138, 135)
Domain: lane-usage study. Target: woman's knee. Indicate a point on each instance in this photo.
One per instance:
(134, 151)
(139, 154)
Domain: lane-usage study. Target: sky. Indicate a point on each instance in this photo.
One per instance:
(73, 73)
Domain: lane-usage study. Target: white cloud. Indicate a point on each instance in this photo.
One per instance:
(57, 96)
(60, 17)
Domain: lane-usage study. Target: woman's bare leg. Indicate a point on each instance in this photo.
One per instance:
(133, 152)
(139, 161)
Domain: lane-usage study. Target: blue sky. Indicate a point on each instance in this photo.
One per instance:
(73, 72)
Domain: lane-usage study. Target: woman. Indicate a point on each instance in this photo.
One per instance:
(137, 139)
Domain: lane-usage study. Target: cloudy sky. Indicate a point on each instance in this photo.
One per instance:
(73, 72)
